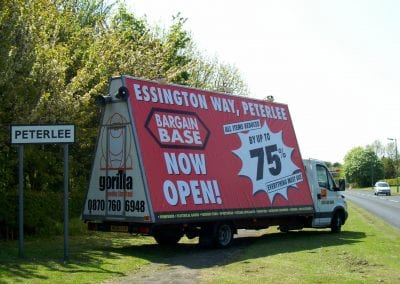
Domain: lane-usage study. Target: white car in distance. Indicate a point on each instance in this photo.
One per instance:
(382, 187)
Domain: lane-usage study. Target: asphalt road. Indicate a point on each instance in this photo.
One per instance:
(385, 207)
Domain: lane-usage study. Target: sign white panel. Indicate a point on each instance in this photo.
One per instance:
(43, 134)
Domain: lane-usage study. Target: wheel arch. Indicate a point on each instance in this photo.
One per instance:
(342, 212)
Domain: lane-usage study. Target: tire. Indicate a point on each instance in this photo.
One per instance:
(336, 223)
(206, 237)
(167, 238)
(283, 229)
(223, 235)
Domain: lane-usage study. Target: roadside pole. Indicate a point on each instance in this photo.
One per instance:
(21, 200)
(397, 164)
(65, 203)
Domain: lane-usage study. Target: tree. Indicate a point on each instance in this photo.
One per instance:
(389, 166)
(209, 73)
(56, 56)
(391, 150)
(362, 167)
(337, 165)
(378, 148)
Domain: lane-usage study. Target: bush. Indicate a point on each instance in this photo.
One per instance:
(391, 181)
(43, 212)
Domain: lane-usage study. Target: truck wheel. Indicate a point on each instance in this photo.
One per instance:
(206, 238)
(223, 235)
(283, 229)
(336, 223)
(169, 238)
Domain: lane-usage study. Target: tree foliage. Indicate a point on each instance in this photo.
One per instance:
(209, 73)
(389, 166)
(57, 55)
(362, 167)
(387, 154)
(378, 148)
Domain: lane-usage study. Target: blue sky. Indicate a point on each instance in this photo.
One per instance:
(335, 63)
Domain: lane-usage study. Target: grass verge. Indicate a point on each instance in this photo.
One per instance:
(92, 258)
(367, 251)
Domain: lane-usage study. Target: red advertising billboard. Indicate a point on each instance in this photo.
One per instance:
(210, 154)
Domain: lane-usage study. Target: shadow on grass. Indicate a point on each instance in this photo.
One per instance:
(92, 254)
(195, 257)
(44, 258)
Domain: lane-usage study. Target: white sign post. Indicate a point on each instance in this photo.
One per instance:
(42, 134)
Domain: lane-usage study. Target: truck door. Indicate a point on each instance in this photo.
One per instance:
(326, 196)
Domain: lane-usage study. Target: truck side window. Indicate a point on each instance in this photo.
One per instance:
(332, 184)
(323, 177)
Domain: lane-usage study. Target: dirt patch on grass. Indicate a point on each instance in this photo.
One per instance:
(187, 267)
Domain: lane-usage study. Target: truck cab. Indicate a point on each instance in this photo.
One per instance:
(330, 205)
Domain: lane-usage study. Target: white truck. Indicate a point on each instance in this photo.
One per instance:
(173, 161)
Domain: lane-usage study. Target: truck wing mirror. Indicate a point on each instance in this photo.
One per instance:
(342, 185)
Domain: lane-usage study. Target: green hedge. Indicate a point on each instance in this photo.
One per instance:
(43, 212)
(392, 181)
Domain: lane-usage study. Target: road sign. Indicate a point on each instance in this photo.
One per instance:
(43, 134)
